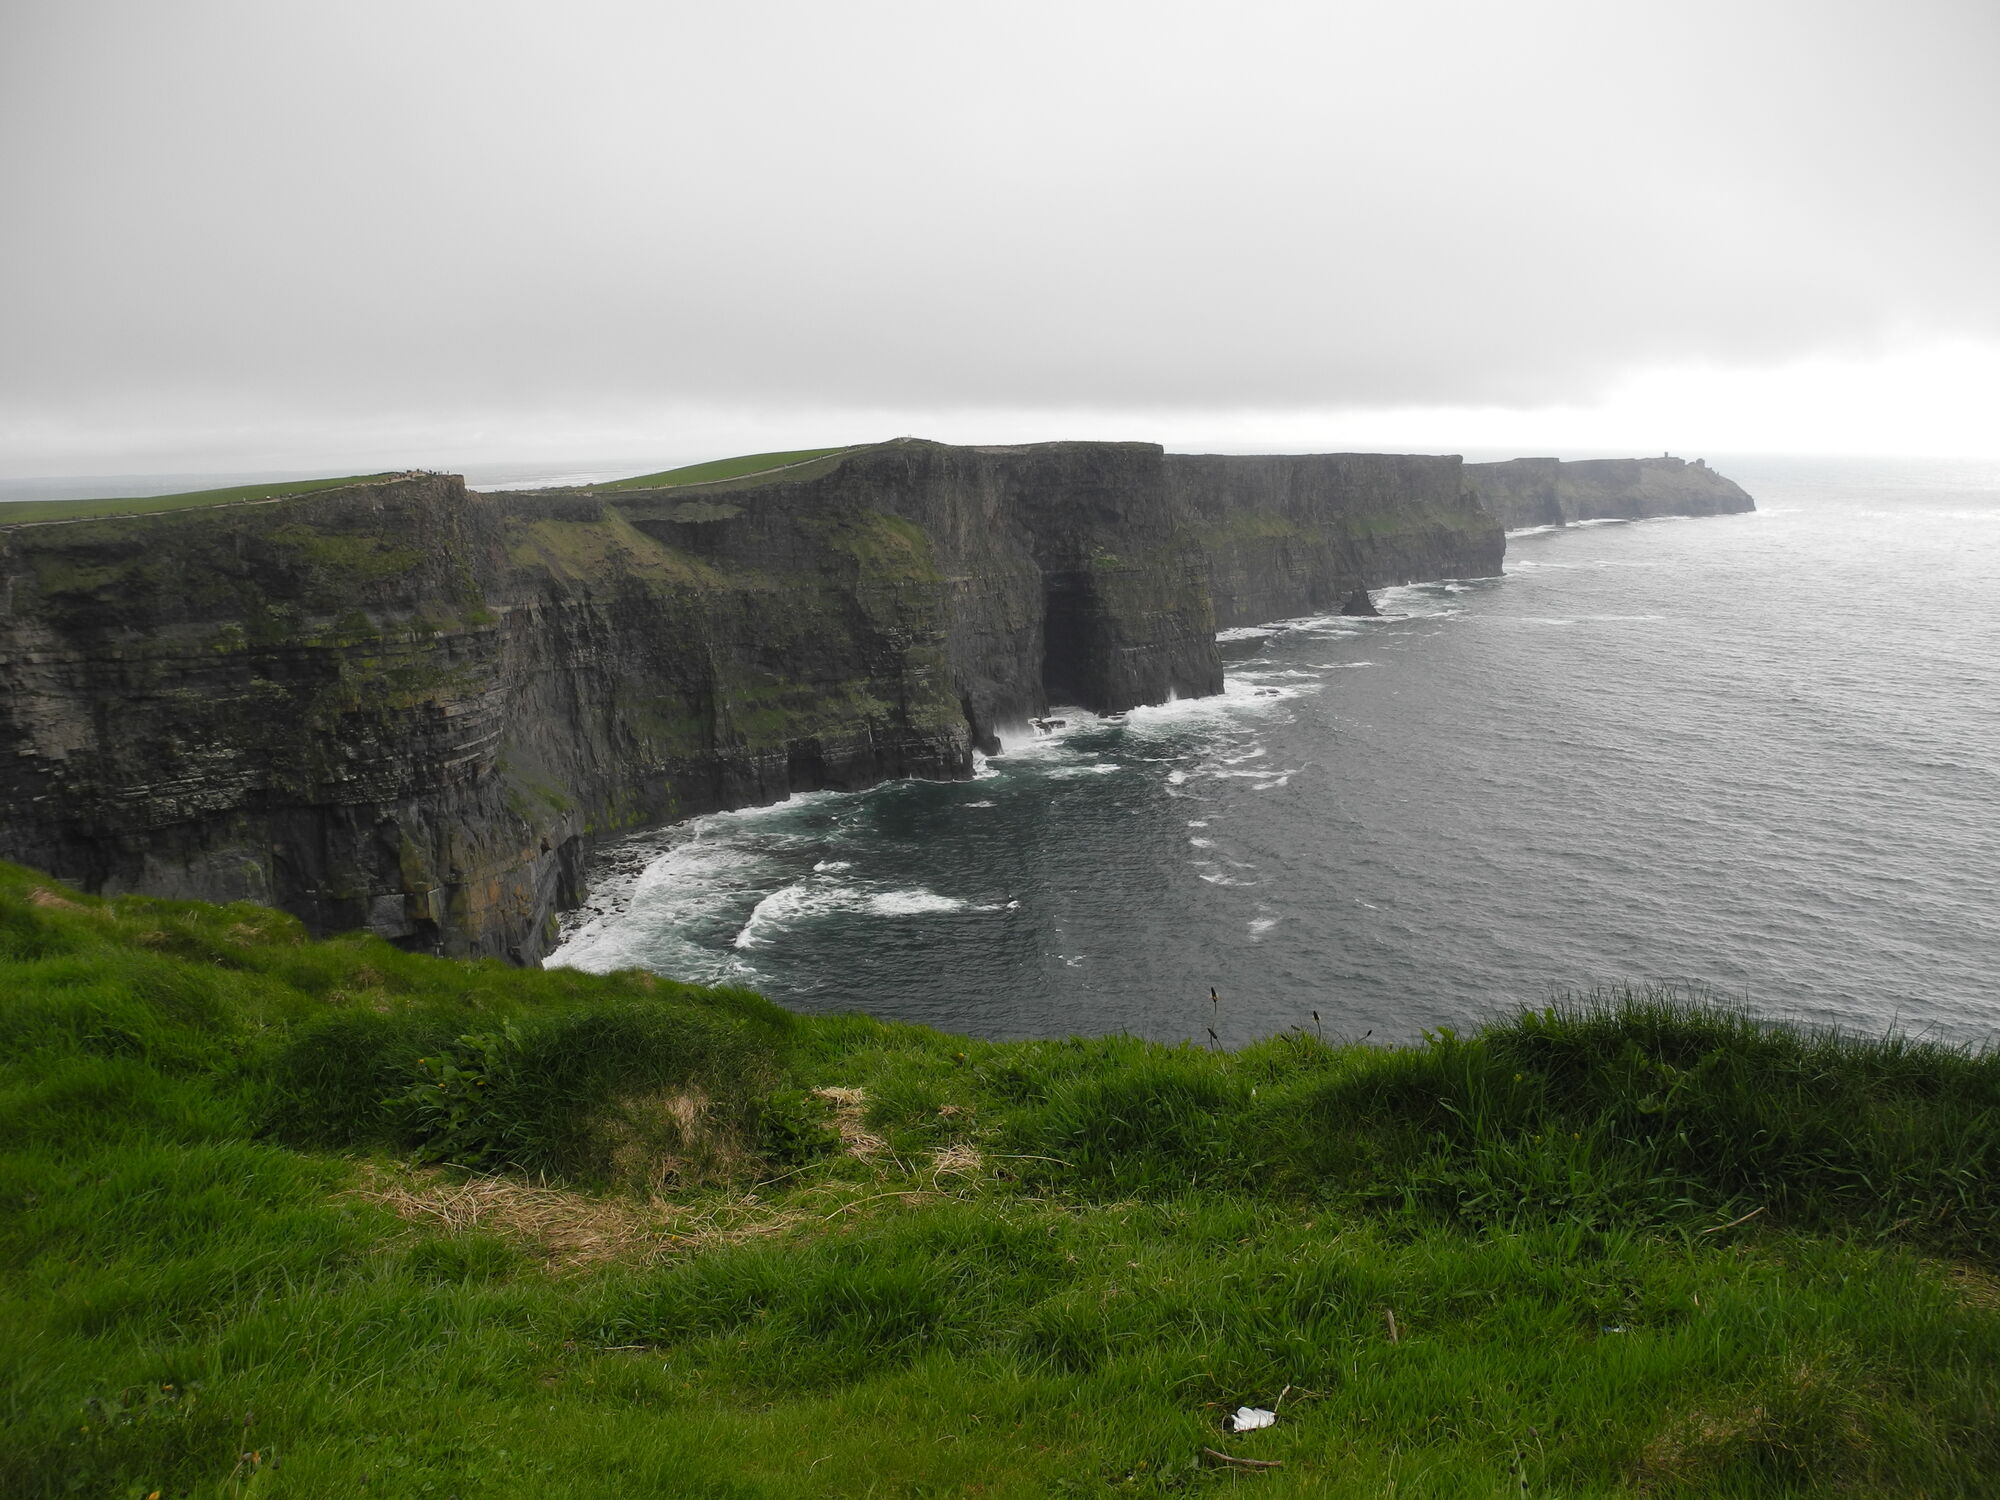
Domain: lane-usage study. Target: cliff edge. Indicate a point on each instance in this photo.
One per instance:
(402, 706)
(1523, 492)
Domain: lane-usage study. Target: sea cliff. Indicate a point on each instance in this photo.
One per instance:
(407, 707)
(1299, 534)
(1523, 492)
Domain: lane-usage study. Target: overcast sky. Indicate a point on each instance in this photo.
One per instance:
(257, 233)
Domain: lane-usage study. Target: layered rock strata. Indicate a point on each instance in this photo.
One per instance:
(1303, 534)
(405, 707)
(1524, 492)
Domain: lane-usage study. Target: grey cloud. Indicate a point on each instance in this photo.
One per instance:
(238, 212)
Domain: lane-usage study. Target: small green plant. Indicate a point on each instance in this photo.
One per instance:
(794, 1128)
(456, 1106)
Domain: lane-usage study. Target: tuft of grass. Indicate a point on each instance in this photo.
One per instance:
(1654, 1108)
(655, 1238)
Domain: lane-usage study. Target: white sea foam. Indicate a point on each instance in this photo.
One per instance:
(780, 909)
(916, 903)
(1024, 740)
(1202, 843)
(1261, 925)
(818, 898)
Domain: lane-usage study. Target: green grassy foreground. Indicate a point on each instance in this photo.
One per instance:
(280, 1217)
(18, 511)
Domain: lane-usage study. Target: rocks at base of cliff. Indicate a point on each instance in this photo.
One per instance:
(1359, 605)
(1525, 492)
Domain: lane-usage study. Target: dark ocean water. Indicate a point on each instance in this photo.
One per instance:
(1760, 753)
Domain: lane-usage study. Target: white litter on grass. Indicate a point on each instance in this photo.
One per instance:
(1249, 1419)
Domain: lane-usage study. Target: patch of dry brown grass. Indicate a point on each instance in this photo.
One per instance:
(41, 895)
(1691, 1446)
(675, 1138)
(568, 1230)
(849, 1105)
(960, 1159)
(1809, 1422)
(1975, 1287)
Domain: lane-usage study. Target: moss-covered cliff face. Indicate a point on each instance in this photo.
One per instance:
(404, 707)
(1058, 571)
(408, 708)
(1295, 535)
(1549, 492)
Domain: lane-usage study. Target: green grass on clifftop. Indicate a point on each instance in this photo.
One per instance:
(19, 511)
(293, 1218)
(720, 468)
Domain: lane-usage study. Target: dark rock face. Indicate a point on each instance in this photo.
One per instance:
(1056, 570)
(1299, 535)
(1521, 492)
(408, 708)
(1526, 492)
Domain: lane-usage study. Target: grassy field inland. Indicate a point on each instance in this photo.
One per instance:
(294, 1218)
